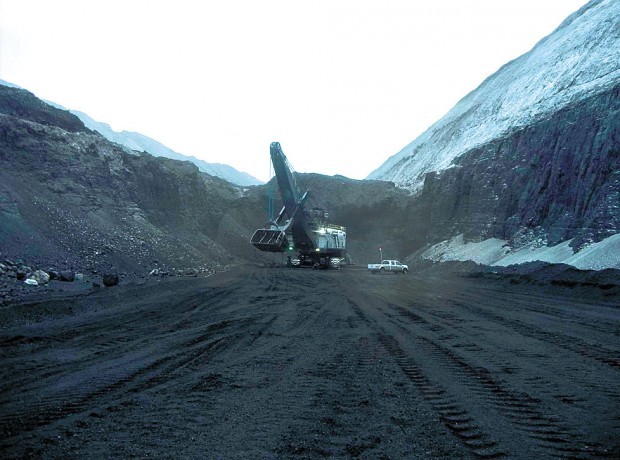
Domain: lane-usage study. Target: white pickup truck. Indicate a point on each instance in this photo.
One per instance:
(388, 266)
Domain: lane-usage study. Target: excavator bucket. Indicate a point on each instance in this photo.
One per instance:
(270, 240)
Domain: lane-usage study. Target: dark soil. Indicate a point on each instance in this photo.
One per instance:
(296, 363)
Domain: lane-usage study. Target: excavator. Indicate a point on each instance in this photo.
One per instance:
(318, 244)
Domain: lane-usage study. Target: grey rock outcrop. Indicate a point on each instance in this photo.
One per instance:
(559, 178)
(533, 153)
(40, 277)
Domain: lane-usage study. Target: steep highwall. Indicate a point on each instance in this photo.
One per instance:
(557, 180)
(69, 197)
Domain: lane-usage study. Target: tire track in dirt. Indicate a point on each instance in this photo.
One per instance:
(328, 378)
(80, 390)
(521, 409)
(524, 412)
(570, 343)
(340, 360)
(579, 311)
(258, 362)
(460, 423)
(509, 364)
(454, 416)
(300, 363)
(146, 377)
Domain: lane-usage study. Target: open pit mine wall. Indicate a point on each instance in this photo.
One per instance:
(558, 179)
(71, 198)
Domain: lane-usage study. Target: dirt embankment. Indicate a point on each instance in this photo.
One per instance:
(299, 363)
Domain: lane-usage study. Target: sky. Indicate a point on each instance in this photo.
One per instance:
(341, 84)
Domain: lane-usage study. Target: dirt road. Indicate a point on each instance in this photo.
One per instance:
(278, 363)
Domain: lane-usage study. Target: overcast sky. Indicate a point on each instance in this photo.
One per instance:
(341, 84)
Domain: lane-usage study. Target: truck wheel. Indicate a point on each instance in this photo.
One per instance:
(404, 271)
(382, 270)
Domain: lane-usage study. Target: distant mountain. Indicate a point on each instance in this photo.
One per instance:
(10, 85)
(579, 59)
(140, 142)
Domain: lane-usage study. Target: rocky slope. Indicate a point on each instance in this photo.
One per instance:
(558, 180)
(71, 198)
(581, 58)
(141, 143)
(532, 156)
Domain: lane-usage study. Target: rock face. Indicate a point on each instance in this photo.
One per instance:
(533, 154)
(558, 179)
(75, 201)
(70, 198)
(21, 104)
(579, 59)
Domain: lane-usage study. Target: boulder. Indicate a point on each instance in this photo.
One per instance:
(66, 275)
(110, 280)
(31, 282)
(40, 277)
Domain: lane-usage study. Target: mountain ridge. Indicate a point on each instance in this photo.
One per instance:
(142, 143)
(572, 61)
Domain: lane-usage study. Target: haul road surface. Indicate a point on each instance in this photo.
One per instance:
(281, 363)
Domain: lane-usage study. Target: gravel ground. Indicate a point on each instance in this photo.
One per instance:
(296, 363)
